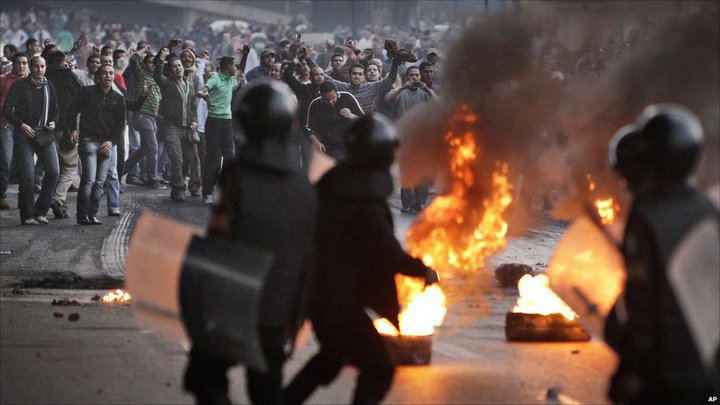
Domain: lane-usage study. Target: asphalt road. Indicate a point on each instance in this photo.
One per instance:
(103, 357)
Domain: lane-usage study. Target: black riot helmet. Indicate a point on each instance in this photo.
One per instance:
(661, 150)
(266, 110)
(371, 142)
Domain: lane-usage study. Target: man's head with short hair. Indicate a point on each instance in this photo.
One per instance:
(149, 62)
(9, 50)
(337, 61)
(21, 64)
(32, 46)
(426, 72)
(175, 66)
(317, 75)
(56, 58)
(227, 65)
(413, 74)
(37, 67)
(373, 71)
(117, 54)
(357, 74)
(92, 63)
(106, 50)
(328, 93)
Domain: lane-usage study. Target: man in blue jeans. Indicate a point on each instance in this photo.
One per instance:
(31, 106)
(20, 66)
(102, 122)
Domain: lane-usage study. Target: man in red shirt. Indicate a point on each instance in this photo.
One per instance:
(20, 70)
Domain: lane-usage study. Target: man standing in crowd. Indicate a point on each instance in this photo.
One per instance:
(102, 123)
(405, 97)
(267, 60)
(31, 106)
(337, 62)
(67, 86)
(145, 120)
(220, 147)
(20, 63)
(329, 116)
(427, 76)
(178, 108)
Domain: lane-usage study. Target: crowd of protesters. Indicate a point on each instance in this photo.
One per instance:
(181, 84)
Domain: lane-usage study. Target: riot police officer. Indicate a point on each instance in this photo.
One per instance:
(660, 360)
(357, 258)
(265, 202)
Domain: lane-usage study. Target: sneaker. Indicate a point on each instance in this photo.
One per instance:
(208, 199)
(84, 221)
(42, 219)
(156, 185)
(30, 221)
(134, 181)
(194, 193)
(4, 204)
(114, 213)
(94, 221)
(37, 188)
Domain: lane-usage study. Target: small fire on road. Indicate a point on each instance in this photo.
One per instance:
(116, 297)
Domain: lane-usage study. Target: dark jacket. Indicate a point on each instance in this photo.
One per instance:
(102, 115)
(172, 108)
(357, 253)
(67, 86)
(655, 343)
(273, 207)
(327, 123)
(24, 103)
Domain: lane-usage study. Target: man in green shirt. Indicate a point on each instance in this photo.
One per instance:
(218, 126)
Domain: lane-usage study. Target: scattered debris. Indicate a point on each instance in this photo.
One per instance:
(73, 317)
(95, 298)
(38, 355)
(18, 291)
(553, 393)
(65, 302)
(6, 252)
(99, 390)
(509, 274)
(58, 314)
(167, 384)
(576, 351)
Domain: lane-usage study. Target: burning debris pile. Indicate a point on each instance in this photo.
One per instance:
(116, 297)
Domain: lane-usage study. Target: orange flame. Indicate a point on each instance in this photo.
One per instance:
(536, 297)
(456, 231)
(117, 296)
(606, 207)
(462, 228)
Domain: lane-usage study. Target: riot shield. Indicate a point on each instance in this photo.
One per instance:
(152, 274)
(220, 291)
(588, 273)
(694, 274)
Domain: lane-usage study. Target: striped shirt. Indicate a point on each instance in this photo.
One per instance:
(142, 75)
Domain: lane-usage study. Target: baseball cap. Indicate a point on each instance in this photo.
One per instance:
(432, 50)
(267, 51)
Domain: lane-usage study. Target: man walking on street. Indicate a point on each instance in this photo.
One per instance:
(102, 122)
(178, 107)
(20, 70)
(31, 106)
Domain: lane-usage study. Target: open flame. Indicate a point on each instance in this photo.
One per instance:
(536, 297)
(457, 231)
(607, 208)
(116, 297)
(460, 229)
